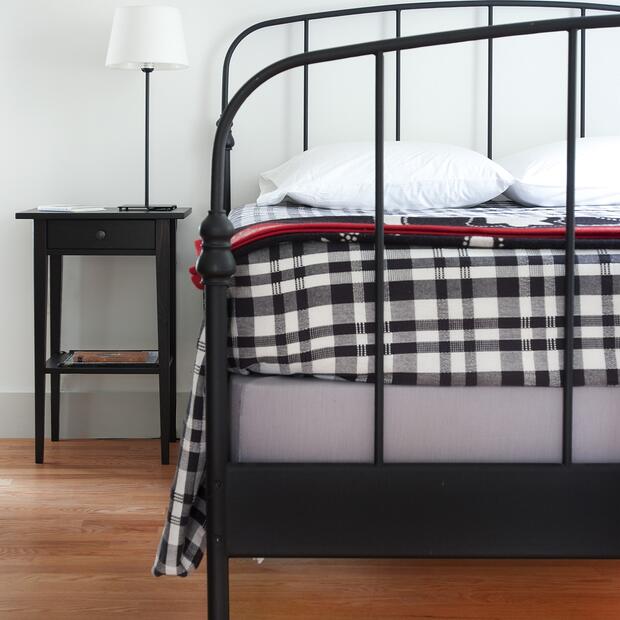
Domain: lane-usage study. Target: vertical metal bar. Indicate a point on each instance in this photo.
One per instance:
(582, 82)
(490, 88)
(230, 143)
(227, 181)
(398, 24)
(306, 47)
(379, 258)
(569, 285)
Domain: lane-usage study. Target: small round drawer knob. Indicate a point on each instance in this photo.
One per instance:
(100, 235)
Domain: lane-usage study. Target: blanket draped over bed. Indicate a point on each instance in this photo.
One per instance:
(472, 297)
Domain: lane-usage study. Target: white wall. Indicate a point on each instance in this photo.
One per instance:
(71, 131)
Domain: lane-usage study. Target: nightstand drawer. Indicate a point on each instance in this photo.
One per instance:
(100, 235)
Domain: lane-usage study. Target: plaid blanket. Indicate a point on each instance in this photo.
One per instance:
(465, 305)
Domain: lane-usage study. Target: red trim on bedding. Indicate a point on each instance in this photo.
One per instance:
(264, 230)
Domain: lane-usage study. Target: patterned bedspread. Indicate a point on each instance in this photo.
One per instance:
(474, 296)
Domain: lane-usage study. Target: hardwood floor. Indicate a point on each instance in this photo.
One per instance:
(78, 534)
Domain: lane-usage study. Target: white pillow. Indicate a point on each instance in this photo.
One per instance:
(540, 173)
(417, 175)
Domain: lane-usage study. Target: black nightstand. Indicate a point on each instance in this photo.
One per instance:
(102, 233)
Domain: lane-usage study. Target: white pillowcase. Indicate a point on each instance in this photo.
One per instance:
(416, 175)
(540, 173)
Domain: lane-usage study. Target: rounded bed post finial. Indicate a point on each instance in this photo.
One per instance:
(216, 263)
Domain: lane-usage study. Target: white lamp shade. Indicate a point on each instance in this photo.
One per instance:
(147, 36)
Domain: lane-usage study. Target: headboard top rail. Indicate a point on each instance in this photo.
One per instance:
(397, 8)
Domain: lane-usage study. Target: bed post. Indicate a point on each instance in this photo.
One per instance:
(216, 265)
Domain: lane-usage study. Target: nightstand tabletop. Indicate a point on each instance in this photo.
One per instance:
(110, 213)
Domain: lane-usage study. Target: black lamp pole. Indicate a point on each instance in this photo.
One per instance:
(147, 74)
(147, 205)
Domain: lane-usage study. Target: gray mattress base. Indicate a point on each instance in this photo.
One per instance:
(290, 419)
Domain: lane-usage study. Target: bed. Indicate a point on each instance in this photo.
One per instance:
(446, 430)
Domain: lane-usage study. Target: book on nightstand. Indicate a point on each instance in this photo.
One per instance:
(69, 208)
(110, 357)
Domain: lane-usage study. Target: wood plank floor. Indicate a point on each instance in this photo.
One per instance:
(78, 534)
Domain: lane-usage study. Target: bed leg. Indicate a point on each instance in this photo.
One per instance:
(218, 439)
(217, 265)
(217, 582)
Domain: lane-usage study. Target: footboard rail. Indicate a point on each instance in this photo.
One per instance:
(380, 509)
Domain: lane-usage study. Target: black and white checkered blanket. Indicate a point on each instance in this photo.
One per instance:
(455, 314)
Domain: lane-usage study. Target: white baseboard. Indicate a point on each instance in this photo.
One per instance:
(89, 415)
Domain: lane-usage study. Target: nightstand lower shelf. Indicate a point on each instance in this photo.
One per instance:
(57, 364)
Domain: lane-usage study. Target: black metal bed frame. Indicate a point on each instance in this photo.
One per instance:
(382, 509)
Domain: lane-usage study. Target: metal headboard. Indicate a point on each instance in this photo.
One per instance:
(398, 10)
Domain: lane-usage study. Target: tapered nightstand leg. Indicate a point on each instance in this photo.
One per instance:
(40, 325)
(55, 316)
(173, 330)
(163, 262)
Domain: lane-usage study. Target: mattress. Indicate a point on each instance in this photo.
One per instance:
(473, 296)
(288, 419)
